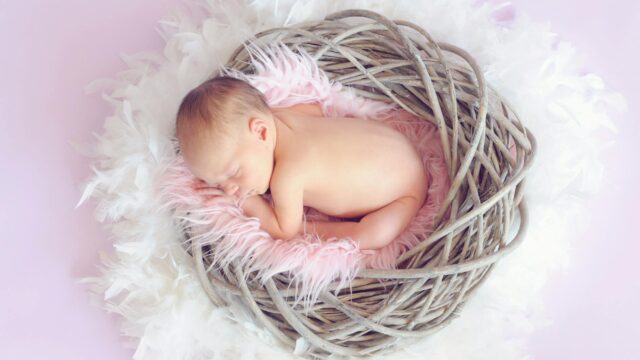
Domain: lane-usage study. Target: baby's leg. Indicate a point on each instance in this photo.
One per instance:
(329, 229)
(375, 230)
(382, 226)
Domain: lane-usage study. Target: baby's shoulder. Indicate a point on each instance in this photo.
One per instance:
(290, 167)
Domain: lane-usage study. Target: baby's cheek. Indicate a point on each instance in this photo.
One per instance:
(251, 179)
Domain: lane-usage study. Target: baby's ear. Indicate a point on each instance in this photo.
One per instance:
(258, 126)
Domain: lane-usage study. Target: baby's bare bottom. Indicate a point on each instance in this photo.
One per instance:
(376, 229)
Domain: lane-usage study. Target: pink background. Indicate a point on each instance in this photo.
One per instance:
(50, 52)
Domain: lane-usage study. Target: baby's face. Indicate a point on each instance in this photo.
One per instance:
(242, 168)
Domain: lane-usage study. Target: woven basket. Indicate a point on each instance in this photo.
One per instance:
(397, 61)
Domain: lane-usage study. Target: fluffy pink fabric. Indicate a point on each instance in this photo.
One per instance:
(286, 79)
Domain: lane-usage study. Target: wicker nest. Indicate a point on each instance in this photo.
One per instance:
(398, 61)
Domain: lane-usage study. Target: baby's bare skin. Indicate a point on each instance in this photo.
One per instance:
(356, 169)
(353, 168)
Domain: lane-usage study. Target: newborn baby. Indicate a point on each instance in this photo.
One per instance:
(356, 169)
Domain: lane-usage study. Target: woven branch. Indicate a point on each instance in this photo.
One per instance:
(397, 61)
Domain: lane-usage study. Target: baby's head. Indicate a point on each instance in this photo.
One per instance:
(227, 135)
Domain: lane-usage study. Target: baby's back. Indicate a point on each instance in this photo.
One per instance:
(353, 166)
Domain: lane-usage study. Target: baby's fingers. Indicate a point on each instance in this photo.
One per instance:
(199, 184)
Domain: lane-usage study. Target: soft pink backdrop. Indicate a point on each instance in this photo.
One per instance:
(51, 50)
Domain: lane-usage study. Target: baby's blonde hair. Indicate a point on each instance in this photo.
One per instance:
(217, 106)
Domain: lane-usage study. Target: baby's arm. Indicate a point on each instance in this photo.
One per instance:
(257, 206)
(285, 218)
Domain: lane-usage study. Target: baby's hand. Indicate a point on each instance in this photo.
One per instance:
(211, 195)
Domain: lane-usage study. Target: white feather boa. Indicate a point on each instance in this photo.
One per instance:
(151, 283)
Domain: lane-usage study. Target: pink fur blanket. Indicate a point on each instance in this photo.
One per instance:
(286, 79)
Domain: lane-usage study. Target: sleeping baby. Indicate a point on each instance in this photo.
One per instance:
(359, 170)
